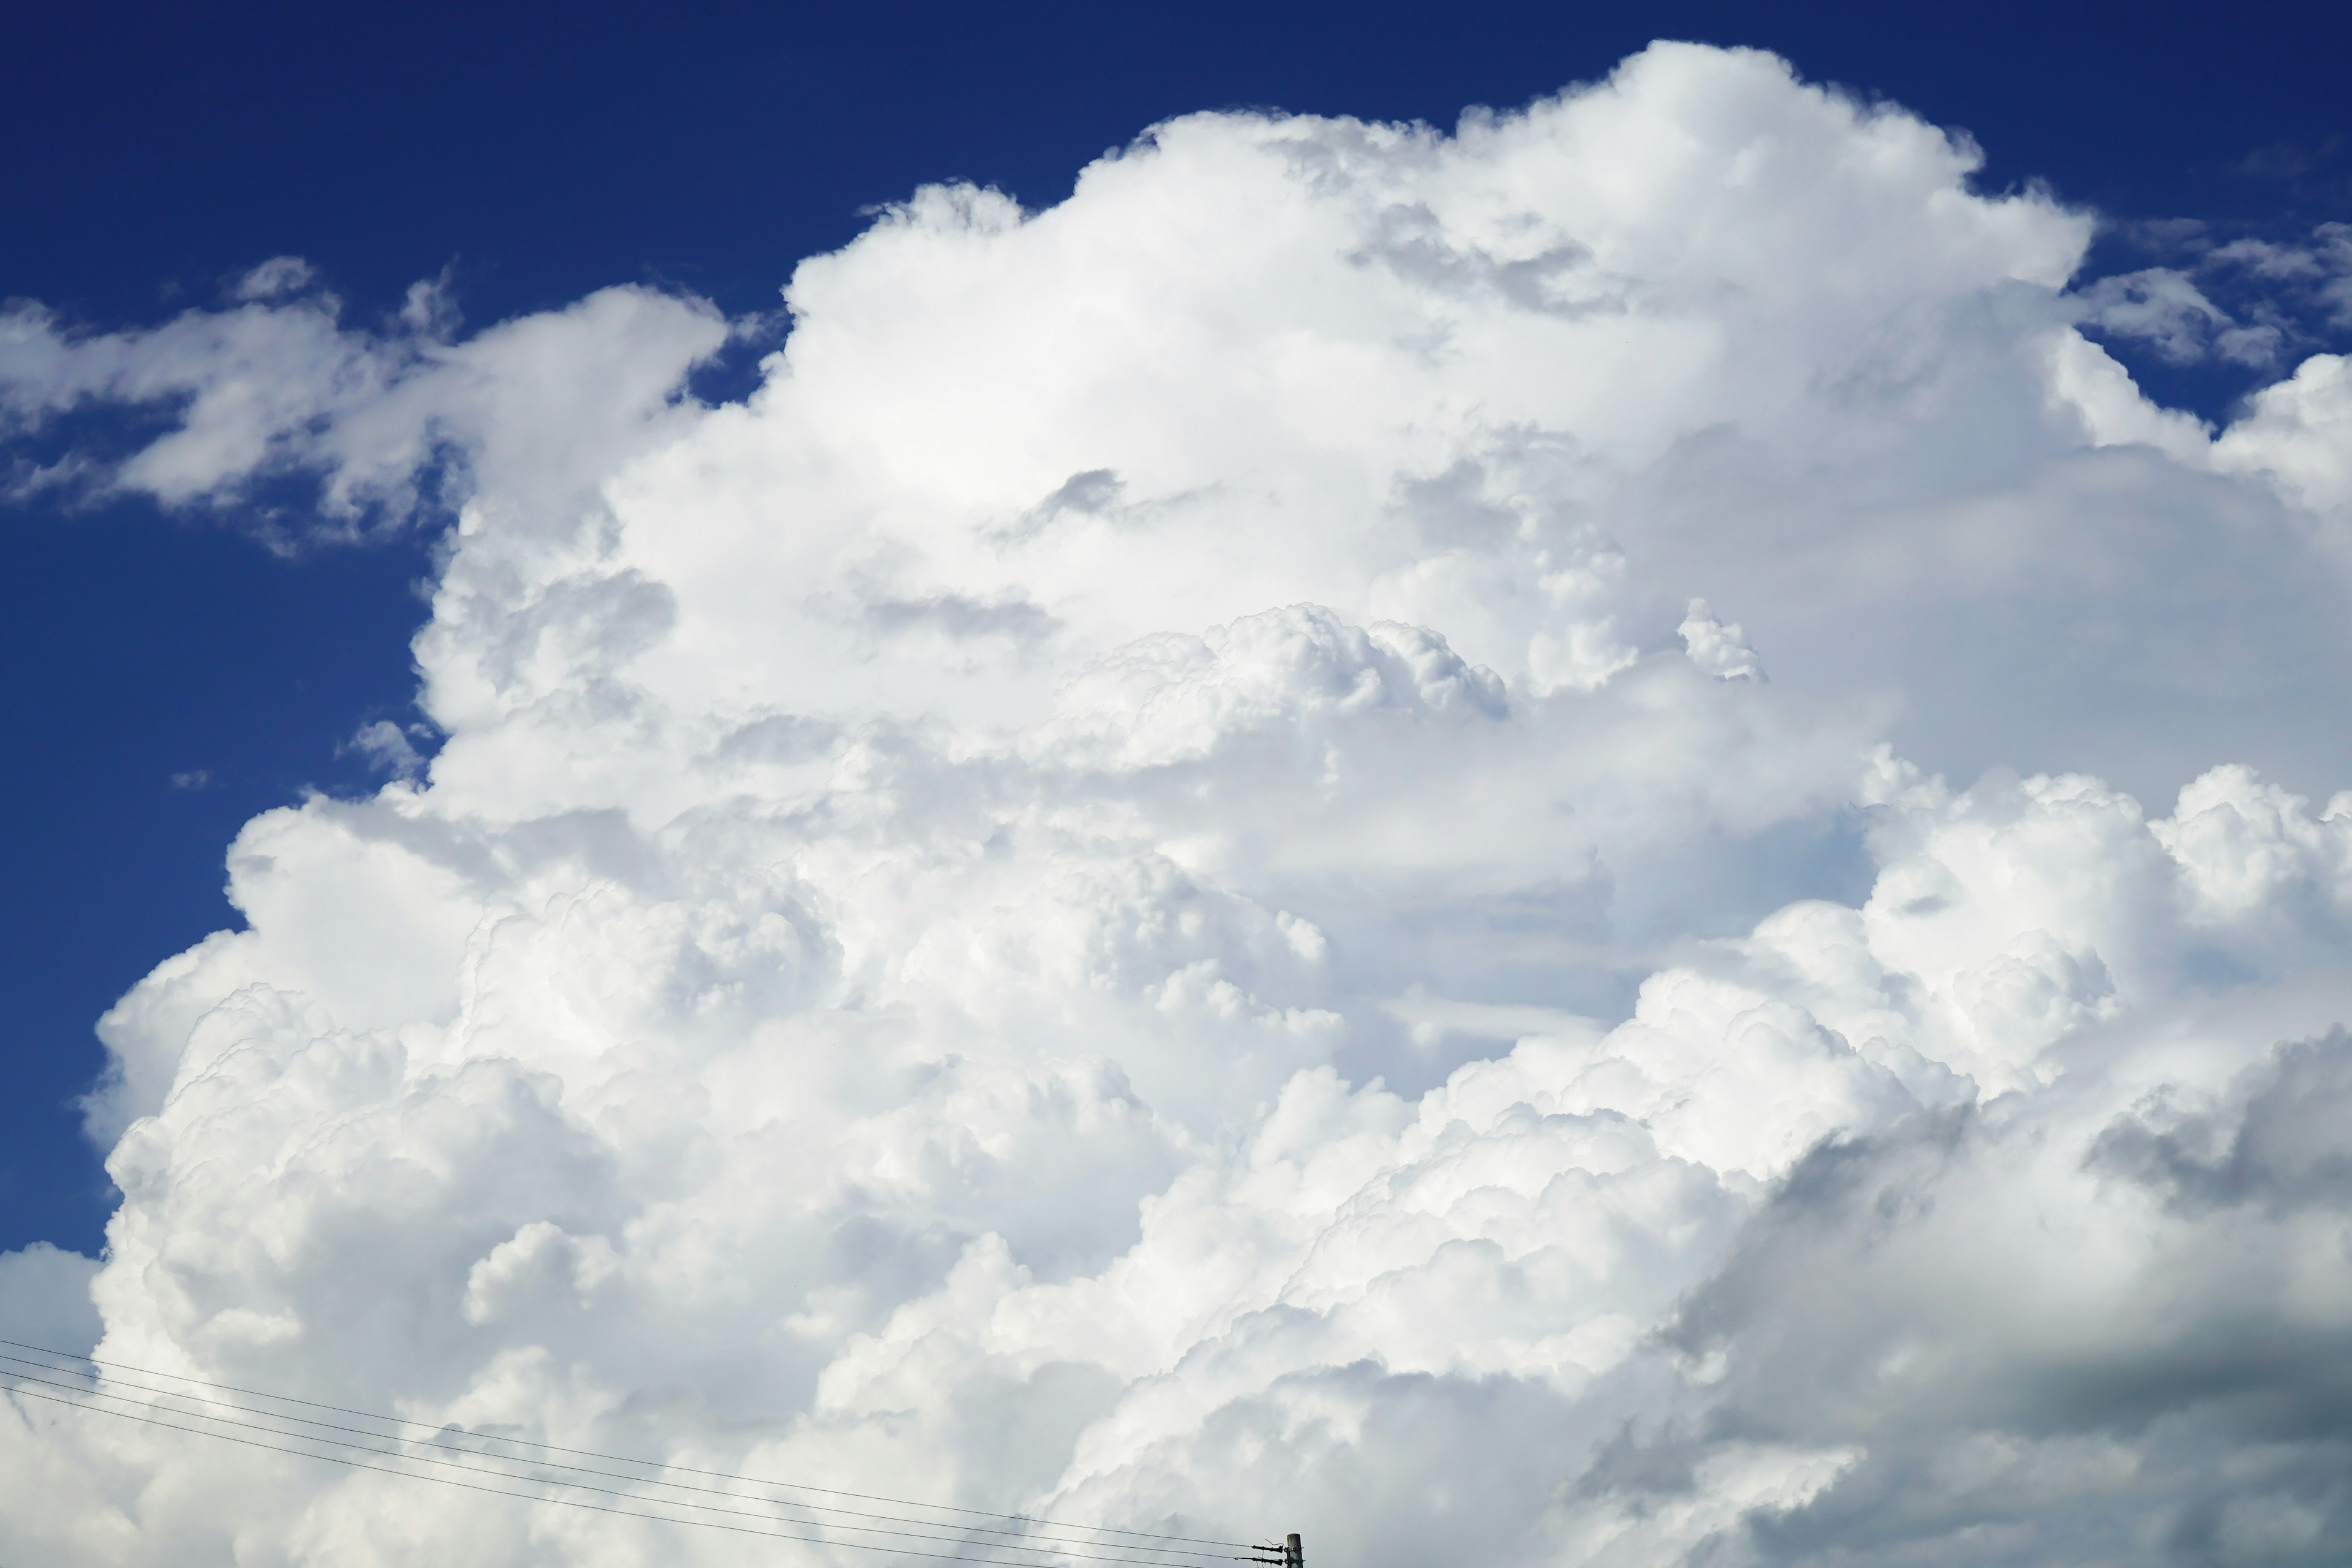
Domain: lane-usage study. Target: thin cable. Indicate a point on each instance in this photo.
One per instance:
(1018, 1536)
(87, 1394)
(526, 1497)
(1049, 1552)
(625, 1459)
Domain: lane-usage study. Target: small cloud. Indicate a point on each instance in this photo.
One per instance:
(2287, 162)
(1093, 492)
(2166, 235)
(2267, 258)
(1096, 492)
(430, 309)
(1718, 647)
(195, 778)
(389, 748)
(2161, 307)
(276, 278)
(961, 617)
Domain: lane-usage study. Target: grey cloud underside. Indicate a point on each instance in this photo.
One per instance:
(961, 617)
(2283, 1150)
(1932, 1299)
(1575, 843)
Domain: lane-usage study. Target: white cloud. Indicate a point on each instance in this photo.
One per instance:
(390, 747)
(276, 278)
(2165, 309)
(2299, 434)
(1160, 883)
(1720, 650)
(536, 410)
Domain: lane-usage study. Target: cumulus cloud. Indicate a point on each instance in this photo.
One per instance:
(2176, 1393)
(275, 385)
(2299, 435)
(389, 746)
(1160, 884)
(2165, 309)
(2246, 302)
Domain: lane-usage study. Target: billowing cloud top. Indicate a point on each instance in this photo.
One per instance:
(1432, 839)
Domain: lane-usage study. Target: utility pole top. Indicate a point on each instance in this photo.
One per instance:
(1289, 1554)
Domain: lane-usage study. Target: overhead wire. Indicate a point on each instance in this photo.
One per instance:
(1030, 1542)
(527, 1496)
(627, 1459)
(1050, 1552)
(1021, 1541)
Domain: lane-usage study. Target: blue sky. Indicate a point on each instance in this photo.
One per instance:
(1856, 720)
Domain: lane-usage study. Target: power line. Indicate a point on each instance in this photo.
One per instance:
(1054, 1551)
(527, 1496)
(625, 1459)
(83, 1403)
(967, 1531)
(1285, 1555)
